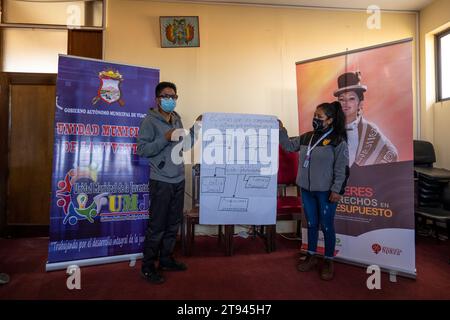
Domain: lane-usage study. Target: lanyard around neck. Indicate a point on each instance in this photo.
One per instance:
(308, 152)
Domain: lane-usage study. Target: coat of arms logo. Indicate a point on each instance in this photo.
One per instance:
(109, 90)
(180, 32)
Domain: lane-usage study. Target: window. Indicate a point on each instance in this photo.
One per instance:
(53, 13)
(33, 50)
(443, 65)
(35, 32)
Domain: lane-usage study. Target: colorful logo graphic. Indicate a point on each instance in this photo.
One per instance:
(376, 248)
(386, 250)
(109, 90)
(179, 32)
(81, 210)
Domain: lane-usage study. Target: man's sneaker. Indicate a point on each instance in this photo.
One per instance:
(308, 264)
(152, 276)
(172, 265)
(327, 272)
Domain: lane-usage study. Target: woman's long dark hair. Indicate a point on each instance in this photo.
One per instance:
(334, 110)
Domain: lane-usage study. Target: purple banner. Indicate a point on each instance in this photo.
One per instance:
(100, 200)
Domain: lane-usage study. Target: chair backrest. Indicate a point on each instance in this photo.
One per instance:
(446, 197)
(287, 167)
(195, 185)
(424, 155)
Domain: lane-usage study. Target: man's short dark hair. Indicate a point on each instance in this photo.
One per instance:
(162, 85)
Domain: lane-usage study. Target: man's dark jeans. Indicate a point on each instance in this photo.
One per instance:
(166, 212)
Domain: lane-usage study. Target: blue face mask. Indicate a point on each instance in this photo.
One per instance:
(168, 104)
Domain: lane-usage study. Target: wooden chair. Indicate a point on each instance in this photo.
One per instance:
(225, 233)
(288, 207)
(191, 218)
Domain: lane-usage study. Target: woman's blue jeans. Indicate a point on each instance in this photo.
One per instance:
(320, 211)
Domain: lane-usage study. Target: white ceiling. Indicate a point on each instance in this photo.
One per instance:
(407, 5)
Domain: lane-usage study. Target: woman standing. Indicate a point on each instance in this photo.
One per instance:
(323, 173)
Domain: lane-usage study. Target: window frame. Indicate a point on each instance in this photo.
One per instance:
(438, 58)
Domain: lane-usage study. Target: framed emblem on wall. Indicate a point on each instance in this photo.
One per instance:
(179, 31)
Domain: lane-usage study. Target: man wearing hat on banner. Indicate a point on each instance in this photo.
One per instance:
(366, 144)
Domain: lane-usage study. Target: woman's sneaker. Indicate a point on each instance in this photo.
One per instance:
(327, 272)
(308, 264)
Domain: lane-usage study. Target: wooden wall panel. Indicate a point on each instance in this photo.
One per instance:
(85, 43)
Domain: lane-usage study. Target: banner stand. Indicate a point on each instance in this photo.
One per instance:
(364, 264)
(374, 221)
(94, 261)
(100, 198)
(386, 269)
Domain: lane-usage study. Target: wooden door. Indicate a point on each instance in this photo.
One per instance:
(30, 153)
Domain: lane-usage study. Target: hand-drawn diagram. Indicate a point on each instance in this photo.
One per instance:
(213, 184)
(258, 182)
(216, 184)
(237, 190)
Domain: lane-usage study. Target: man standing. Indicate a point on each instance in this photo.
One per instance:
(158, 140)
(367, 145)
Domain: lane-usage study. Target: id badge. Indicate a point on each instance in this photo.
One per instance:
(306, 162)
